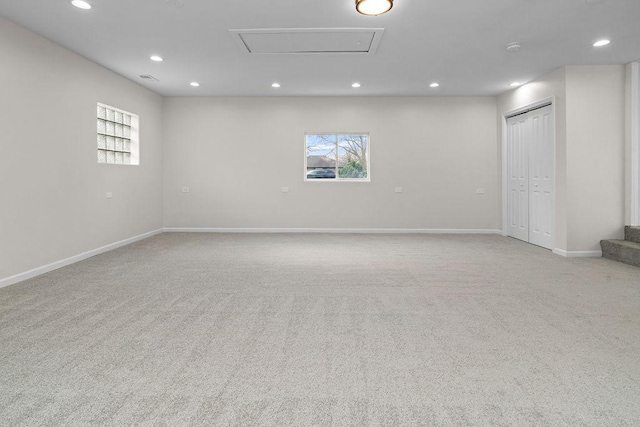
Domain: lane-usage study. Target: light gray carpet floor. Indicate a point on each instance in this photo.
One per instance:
(294, 329)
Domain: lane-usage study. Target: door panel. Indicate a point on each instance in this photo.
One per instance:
(541, 179)
(518, 205)
(530, 172)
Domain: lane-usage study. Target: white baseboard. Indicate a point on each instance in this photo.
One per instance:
(332, 230)
(578, 254)
(71, 260)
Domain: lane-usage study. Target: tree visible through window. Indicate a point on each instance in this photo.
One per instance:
(337, 156)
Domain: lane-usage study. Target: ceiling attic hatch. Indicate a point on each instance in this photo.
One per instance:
(309, 40)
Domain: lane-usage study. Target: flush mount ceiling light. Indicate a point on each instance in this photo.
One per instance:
(434, 84)
(513, 47)
(194, 84)
(355, 85)
(80, 4)
(156, 58)
(515, 84)
(373, 7)
(275, 85)
(601, 43)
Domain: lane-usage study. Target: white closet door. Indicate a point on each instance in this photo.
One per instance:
(518, 183)
(530, 168)
(541, 178)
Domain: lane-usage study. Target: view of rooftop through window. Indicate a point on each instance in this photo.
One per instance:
(337, 156)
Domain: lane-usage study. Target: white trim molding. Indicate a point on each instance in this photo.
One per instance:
(634, 145)
(578, 254)
(72, 260)
(332, 230)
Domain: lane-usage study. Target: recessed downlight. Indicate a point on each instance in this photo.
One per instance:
(515, 84)
(434, 84)
(601, 43)
(156, 58)
(356, 85)
(81, 4)
(275, 85)
(194, 84)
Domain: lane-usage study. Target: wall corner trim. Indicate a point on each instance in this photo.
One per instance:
(633, 141)
(11, 280)
(577, 254)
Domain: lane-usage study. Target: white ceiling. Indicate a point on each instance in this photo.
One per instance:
(459, 43)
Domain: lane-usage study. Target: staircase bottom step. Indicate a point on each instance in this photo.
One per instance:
(621, 250)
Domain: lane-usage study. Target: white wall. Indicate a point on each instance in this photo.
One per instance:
(52, 203)
(595, 155)
(590, 144)
(235, 154)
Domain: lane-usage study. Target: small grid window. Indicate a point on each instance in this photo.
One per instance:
(117, 136)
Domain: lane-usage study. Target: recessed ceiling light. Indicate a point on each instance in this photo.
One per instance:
(194, 84)
(515, 84)
(601, 43)
(434, 84)
(80, 4)
(157, 58)
(275, 85)
(356, 85)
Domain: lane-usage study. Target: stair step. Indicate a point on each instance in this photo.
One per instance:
(632, 234)
(621, 250)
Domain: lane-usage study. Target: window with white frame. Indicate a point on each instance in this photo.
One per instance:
(337, 157)
(117, 136)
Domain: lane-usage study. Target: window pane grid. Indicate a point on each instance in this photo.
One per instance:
(114, 136)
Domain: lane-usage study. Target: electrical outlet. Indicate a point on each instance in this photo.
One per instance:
(185, 189)
(109, 195)
(479, 190)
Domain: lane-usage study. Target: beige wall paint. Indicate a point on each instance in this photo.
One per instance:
(235, 154)
(53, 203)
(589, 118)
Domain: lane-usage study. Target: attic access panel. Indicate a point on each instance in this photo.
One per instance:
(309, 40)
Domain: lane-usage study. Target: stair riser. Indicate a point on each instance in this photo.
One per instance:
(632, 234)
(621, 253)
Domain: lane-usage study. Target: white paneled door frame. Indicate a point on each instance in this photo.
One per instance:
(510, 130)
